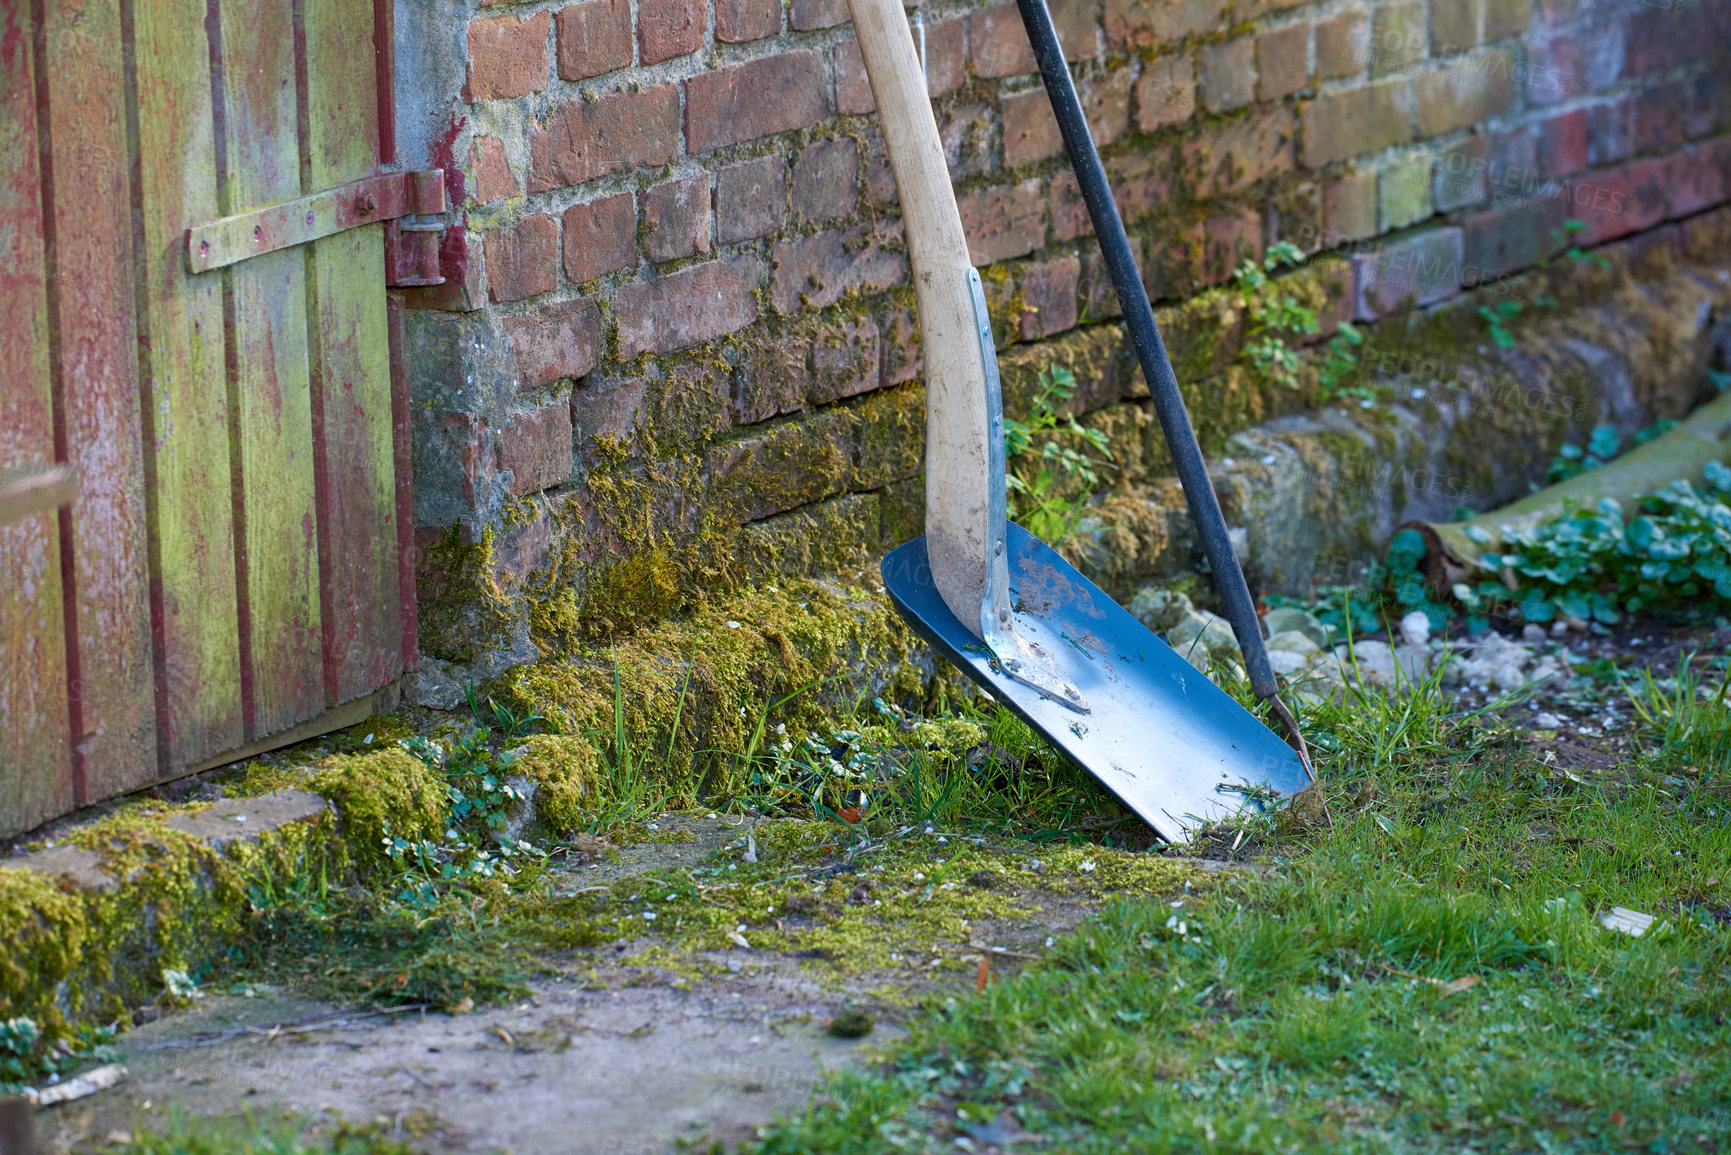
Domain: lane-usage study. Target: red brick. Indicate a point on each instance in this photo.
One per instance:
(900, 356)
(600, 237)
(1700, 177)
(1574, 65)
(676, 218)
(696, 304)
(1342, 46)
(1030, 130)
(1459, 179)
(880, 182)
(806, 15)
(1611, 135)
(772, 382)
(536, 448)
(669, 28)
(1173, 268)
(750, 199)
(816, 271)
(1416, 271)
(507, 57)
(1229, 74)
(844, 360)
(594, 37)
(737, 21)
(1294, 215)
(1349, 208)
(1069, 210)
(1094, 289)
(1454, 25)
(1132, 24)
(522, 260)
(761, 98)
(1141, 179)
(1512, 237)
(555, 342)
(1505, 18)
(584, 139)
(824, 179)
(1231, 240)
(853, 90)
(1106, 104)
(1616, 202)
(1656, 123)
(998, 43)
(1236, 154)
(1282, 62)
(946, 55)
(1166, 93)
(1004, 222)
(1660, 38)
(1049, 297)
(610, 409)
(1561, 144)
(1356, 121)
(494, 180)
(1397, 37)
(1467, 90)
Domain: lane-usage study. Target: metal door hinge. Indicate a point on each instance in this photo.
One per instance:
(387, 197)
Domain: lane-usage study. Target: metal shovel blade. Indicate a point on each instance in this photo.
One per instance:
(1172, 745)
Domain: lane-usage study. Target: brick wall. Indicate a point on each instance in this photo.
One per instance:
(677, 314)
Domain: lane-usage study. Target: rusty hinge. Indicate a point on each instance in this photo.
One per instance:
(386, 197)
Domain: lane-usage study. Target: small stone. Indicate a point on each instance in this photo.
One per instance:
(1545, 720)
(1532, 633)
(1160, 609)
(1559, 628)
(1374, 662)
(1203, 630)
(1294, 641)
(1508, 677)
(1290, 618)
(1286, 663)
(1415, 628)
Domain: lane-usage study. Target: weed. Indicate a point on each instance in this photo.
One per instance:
(1054, 460)
(29, 1057)
(248, 1136)
(1274, 315)
(1497, 318)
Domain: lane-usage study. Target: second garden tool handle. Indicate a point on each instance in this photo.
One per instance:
(958, 473)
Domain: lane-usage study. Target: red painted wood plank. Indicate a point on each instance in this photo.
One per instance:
(35, 752)
(114, 689)
(268, 375)
(352, 406)
(182, 360)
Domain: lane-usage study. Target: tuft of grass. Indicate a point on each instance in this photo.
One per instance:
(285, 1135)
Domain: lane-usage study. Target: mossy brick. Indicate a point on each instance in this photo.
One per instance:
(1165, 92)
(772, 379)
(790, 464)
(535, 448)
(1228, 78)
(1700, 177)
(1403, 191)
(593, 37)
(1342, 46)
(1454, 25)
(1397, 37)
(1282, 61)
(1134, 24)
(750, 199)
(1234, 154)
(1349, 207)
(1294, 214)
(837, 536)
(844, 359)
(580, 139)
(1142, 179)
(818, 270)
(1231, 239)
(465, 603)
(677, 220)
(1355, 121)
(556, 342)
(1411, 272)
(687, 307)
(507, 57)
(1464, 91)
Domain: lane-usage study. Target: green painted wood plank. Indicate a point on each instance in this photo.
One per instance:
(269, 376)
(187, 437)
(35, 752)
(114, 699)
(351, 363)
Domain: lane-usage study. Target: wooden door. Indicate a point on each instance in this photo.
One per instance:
(233, 568)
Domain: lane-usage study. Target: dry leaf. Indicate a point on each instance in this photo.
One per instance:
(1464, 983)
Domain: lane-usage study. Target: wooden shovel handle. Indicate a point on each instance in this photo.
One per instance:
(958, 532)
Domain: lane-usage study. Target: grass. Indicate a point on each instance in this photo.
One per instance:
(249, 1136)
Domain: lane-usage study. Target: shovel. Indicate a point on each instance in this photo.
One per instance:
(999, 603)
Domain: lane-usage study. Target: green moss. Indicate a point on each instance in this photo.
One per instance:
(386, 793)
(464, 608)
(568, 774)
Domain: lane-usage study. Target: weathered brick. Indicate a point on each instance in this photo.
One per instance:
(737, 21)
(900, 357)
(1397, 37)
(1342, 46)
(816, 271)
(946, 55)
(1030, 130)
(757, 99)
(1141, 179)
(1282, 62)
(844, 360)
(880, 182)
(696, 304)
(1232, 238)
(1661, 38)
(608, 408)
(805, 15)
(1505, 18)
(750, 199)
(1166, 93)
(1173, 267)
(1132, 24)
(536, 448)
(1512, 237)
(555, 342)
(594, 37)
(853, 90)
(1618, 201)
(523, 259)
(1459, 180)
(677, 218)
(1655, 120)
(1465, 91)
(1235, 154)
(1349, 208)
(1561, 143)
(494, 180)
(1699, 177)
(771, 382)
(507, 57)
(1069, 211)
(1048, 294)
(824, 180)
(600, 237)
(1229, 74)
(787, 465)
(1574, 65)
(1416, 271)
(1611, 132)
(1454, 25)
(998, 43)
(583, 139)
(1003, 222)
(669, 28)
(1294, 214)
(1403, 192)
(1098, 298)
(1106, 104)
(1356, 121)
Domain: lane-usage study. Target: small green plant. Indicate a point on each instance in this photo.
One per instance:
(1055, 461)
(1339, 360)
(1274, 314)
(1574, 252)
(1497, 319)
(28, 1056)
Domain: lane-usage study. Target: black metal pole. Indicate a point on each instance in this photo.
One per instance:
(1150, 349)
